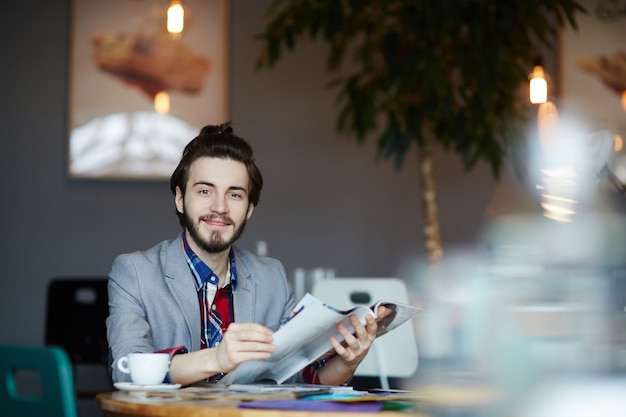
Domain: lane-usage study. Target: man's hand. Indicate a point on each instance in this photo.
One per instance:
(358, 344)
(243, 342)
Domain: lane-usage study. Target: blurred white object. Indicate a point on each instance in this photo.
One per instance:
(141, 144)
(304, 280)
(261, 248)
(579, 398)
(392, 355)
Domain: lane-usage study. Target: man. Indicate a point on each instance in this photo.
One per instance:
(210, 304)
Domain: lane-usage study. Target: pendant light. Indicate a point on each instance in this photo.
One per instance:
(175, 19)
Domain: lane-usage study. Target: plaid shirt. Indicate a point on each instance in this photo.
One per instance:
(222, 300)
(219, 300)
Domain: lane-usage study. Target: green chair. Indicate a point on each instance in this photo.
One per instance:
(51, 382)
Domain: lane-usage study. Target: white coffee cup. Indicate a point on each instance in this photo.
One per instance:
(145, 368)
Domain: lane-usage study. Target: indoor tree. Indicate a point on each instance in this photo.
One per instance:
(425, 72)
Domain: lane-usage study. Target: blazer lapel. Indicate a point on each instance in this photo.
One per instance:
(244, 297)
(184, 289)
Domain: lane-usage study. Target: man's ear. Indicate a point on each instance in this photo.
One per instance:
(179, 200)
(250, 210)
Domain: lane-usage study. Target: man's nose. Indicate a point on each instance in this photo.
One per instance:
(219, 204)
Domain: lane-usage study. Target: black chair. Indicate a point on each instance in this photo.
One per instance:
(75, 320)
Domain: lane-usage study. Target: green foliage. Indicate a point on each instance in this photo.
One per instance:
(450, 70)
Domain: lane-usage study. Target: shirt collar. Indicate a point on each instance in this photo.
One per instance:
(202, 272)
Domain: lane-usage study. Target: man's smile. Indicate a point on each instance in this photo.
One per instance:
(217, 221)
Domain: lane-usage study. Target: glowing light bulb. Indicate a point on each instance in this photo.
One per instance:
(162, 102)
(538, 86)
(175, 18)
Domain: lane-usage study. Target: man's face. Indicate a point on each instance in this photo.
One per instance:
(215, 204)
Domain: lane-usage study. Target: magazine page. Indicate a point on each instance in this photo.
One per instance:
(299, 342)
(306, 338)
(400, 314)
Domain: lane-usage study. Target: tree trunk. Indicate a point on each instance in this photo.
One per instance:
(432, 237)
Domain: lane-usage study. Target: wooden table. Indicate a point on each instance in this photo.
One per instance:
(122, 404)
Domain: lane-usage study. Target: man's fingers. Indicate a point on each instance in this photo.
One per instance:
(339, 348)
(244, 342)
(347, 335)
(371, 327)
(247, 346)
(383, 312)
(249, 331)
(364, 332)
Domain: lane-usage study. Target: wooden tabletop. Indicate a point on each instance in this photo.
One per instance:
(122, 404)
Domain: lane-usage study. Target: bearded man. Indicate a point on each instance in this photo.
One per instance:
(208, 303)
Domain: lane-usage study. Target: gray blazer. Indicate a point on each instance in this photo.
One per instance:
(153, 302)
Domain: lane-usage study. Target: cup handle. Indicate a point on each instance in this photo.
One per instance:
(122, 364)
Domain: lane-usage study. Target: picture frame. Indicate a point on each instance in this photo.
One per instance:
(121, 60)
(592, 69)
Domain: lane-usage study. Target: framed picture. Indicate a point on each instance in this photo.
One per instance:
(138, 94)
(593, 67)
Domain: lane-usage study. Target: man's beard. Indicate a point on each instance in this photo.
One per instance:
(215, 243)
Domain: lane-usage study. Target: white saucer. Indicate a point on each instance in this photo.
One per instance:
(129, 386)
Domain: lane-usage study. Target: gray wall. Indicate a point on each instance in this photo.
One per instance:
(327, 201)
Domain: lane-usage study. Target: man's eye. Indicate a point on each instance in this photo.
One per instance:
(204, 192)
(236, 195)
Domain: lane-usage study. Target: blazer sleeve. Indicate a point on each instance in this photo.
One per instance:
(128, 329)
(153, 303)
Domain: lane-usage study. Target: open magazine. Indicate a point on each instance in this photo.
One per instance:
(305, 338)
